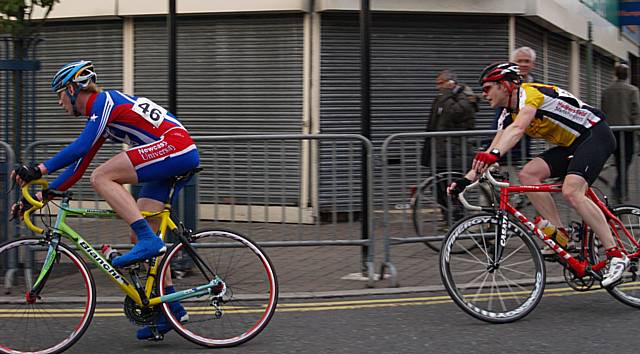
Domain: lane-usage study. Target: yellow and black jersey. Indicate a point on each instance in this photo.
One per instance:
(560, 117)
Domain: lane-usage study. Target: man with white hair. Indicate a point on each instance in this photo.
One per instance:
(525, 57)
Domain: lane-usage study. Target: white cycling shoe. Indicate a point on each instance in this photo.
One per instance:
(617, 266)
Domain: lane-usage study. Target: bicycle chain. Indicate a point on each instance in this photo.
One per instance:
(142, 316)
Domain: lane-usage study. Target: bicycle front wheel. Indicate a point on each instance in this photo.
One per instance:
(234, 313)
(496, 291)
(628, 292)
(56, 319)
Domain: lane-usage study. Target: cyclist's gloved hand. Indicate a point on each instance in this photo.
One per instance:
(483, 159)
(458, 186)
(486, 157)
(26, 173)
(18, 209)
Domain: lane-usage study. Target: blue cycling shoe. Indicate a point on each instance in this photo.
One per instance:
(162, 325)
(146, 248)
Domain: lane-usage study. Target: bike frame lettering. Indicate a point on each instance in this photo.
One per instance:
(96, 258)
(580, 267)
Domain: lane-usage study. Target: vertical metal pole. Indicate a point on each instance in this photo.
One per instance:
(590, 64)
(365, 116)
(171, 27)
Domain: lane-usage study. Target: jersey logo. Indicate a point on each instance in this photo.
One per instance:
(150, 111)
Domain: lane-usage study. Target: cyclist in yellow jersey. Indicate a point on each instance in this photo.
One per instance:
(578, 131)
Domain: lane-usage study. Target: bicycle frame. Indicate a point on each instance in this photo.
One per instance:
(580, 267)
(61, 229)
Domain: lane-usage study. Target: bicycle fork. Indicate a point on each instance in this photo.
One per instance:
(33, 294)
(500, 241)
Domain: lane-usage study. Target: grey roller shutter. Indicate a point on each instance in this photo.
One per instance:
(607, 77)
(602, 75)
(236, 75)
(556, 64)
(407, 51)
(634, 65)
(528, 34)
(559, 48)
(6, 111)
(64, 42)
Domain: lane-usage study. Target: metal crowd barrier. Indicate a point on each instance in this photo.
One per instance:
(281, 190)
(402, 174)
(8, 266)
(264, 185)
(7, 166)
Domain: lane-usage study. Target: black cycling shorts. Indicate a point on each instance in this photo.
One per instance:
(585, 157)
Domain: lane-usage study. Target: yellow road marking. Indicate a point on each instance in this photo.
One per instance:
(303, 307)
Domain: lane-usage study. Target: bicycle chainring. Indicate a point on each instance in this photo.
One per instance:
(142, 316)
(578, 284)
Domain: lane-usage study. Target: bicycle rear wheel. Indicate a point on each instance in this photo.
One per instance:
(628, 292)
(59, 317)
(247, 303)
(496, 292)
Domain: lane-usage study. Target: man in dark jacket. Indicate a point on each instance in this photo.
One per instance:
(454, 108)
(620, 103)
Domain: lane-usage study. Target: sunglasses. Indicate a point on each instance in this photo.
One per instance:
(486, 89)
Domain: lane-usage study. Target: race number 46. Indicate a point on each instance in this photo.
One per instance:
(150, 111)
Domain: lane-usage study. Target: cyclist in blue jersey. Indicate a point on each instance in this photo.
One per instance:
(161, 148)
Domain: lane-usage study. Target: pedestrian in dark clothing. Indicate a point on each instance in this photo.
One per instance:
(454, 108)
(620, 103)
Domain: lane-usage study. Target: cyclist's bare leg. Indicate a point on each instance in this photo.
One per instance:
(108, 178)
(535, 172)
(148, 204)
(573, 190)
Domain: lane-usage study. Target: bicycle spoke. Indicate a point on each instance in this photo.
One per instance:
(472, 261)
(499, 293)
(472, 272)
(472, 283)
(504, 259)
(513, 293)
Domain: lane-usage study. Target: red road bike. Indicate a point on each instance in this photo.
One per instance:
(499, 276)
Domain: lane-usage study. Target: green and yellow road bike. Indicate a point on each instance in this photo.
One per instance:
(230, 291)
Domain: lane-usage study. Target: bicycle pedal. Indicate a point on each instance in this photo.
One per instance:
(157, 336)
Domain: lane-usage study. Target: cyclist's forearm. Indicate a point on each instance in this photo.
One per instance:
(509, 138)
(495, 140)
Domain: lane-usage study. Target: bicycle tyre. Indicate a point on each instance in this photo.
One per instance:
(251, 290)
(430, 216)
(629, 291)
(50, 324)
(466, 276)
